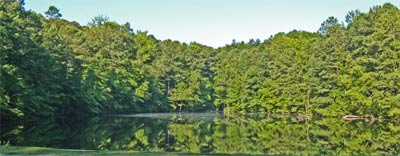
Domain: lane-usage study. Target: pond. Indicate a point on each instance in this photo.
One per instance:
(207, 133)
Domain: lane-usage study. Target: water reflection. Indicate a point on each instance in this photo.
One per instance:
(209, 133)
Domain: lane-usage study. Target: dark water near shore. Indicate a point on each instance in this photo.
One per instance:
(208, 133)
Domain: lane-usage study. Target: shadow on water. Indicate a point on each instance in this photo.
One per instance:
(207, 133)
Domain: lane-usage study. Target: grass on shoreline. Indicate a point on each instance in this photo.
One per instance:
(17, 150)
(14, 150)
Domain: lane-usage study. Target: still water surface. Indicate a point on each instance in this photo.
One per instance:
(208, 133)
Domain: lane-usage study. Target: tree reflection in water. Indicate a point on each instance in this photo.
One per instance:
(209, 133)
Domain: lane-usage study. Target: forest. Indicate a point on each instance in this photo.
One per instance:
(50, 66)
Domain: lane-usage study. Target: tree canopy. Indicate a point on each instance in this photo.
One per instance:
(54, 67)
(53, 12)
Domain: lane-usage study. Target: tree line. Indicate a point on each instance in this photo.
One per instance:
(54, 67)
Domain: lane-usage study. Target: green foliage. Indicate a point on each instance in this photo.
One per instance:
(54, 67)
(344, 70)
(53, 12)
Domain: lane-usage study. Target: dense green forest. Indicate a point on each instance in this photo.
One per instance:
(53, 67)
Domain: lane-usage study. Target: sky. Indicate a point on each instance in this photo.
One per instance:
(211, 22)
